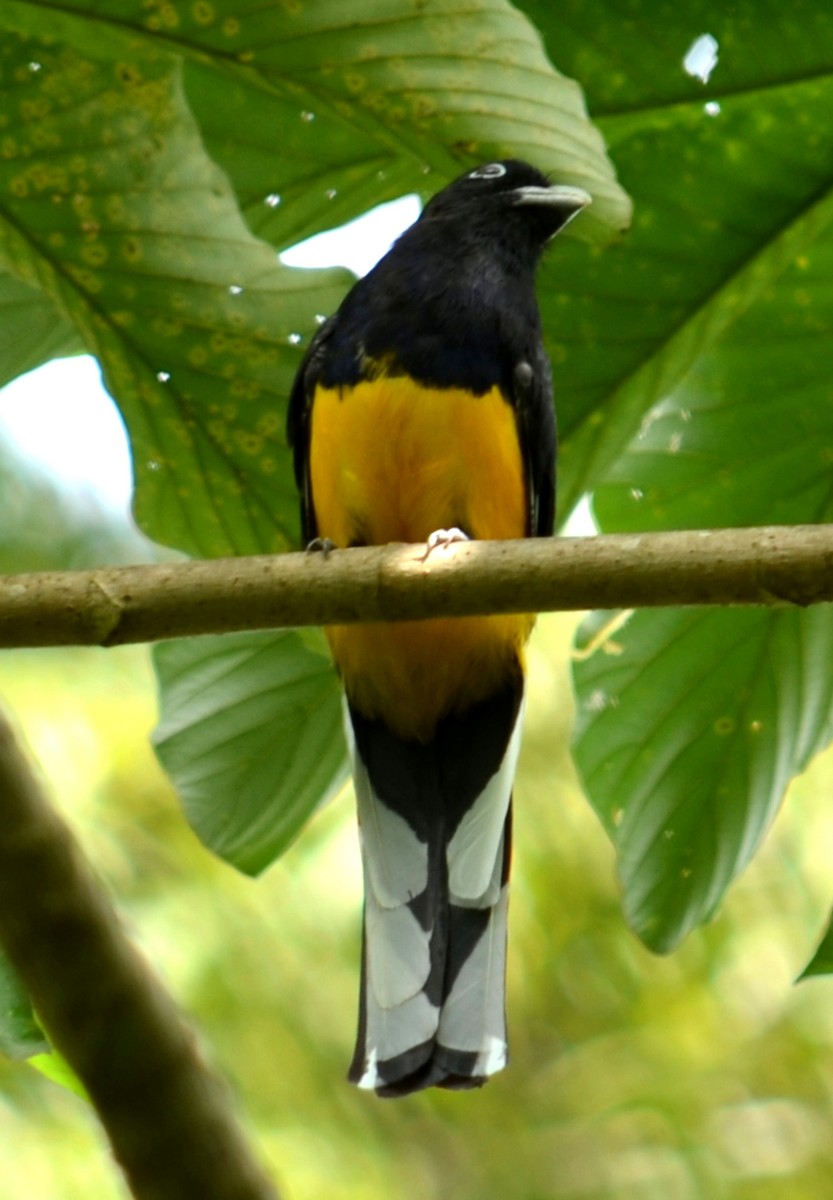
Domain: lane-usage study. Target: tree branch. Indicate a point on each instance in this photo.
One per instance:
(168, 1119)
(777, 564)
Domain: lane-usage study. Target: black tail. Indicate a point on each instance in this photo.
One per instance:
(435, 825)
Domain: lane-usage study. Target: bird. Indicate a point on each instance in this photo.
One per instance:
(422, 412)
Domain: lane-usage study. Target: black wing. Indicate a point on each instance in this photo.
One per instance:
(532, 396)
(298, 421)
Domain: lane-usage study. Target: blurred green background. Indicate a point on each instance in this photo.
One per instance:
(706, 1074)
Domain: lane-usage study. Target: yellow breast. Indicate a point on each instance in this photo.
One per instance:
(391, 461)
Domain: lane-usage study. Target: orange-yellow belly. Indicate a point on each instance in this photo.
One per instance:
(391, 461)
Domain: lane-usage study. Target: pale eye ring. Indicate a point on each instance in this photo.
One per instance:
(489, 171)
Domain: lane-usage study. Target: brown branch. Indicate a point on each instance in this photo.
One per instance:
(769, 565)
(168, 1119)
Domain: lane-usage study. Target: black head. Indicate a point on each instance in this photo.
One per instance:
(507, 200)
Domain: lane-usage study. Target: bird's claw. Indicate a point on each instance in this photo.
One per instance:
(442, 538)
(320, 545)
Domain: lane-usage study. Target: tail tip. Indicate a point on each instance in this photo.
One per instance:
(429, 1065)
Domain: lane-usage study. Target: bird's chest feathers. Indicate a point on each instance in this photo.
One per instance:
(393, 460)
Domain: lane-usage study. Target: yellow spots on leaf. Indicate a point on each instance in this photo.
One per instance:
(230, 27)
(131, 249)
(19, 187)
(167, 327)
(128, 74)
(45, 176)
(56, 239)
(170, 17)
(197, 356)
(220, 435)
(423, 108)
(268, 423)
(37, 109)
(114, 209)
(163, 18)
(86, 279)
(124, 318)
(723, 726)
(245, 389)
(148, 391)
(94, 254)
(203, 12)
(354, 82)
(82, 206)
(249, 443)
(8, 147)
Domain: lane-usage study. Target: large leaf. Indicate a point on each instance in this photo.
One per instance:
(731, 184)
(250, 733)
(338, 106)
(691, 723)
(113, 209)
(721, 418)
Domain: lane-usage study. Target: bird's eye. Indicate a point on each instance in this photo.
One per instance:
(489, 171)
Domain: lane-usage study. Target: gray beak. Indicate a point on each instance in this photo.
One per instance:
(569, 199)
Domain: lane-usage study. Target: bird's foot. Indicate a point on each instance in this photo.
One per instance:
(320, 545)
(442, 539)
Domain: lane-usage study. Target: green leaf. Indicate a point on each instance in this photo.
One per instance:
(31, 330)
(747, 436)
(355, 91)
(135, 236)
(731, 186)
(691, 723)
(250, 734)
(20, 1034)
(822, 961)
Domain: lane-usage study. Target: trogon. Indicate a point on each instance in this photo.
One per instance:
(423, 412)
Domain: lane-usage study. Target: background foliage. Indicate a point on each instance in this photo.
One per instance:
(152, 159)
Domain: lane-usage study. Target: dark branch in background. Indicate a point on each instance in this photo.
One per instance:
(770, 565)
(168, 1119)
